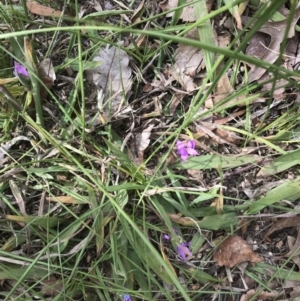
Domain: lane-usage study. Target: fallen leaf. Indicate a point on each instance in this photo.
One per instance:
(5, 147)
(18, 196)
(47, 75)
(113, 78)
(276, 31)
(216, 133)
(176, 99)
(97, 6)
(281, 224)
(42, 10)
(234, 250)
(188, 12)
(52, 287)
(139, 144)
(136, 15)
(188, 63)
(293, 286)
(294, 252)
(114, 72)
(66, 199)
(259, 295)
(236, 12)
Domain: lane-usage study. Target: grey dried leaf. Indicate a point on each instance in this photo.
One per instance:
(113, 78)
(114, 73)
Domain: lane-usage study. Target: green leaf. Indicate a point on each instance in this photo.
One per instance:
(281, 163)
(217, 222)
(217, 161)
(288, 190)
(10, 271)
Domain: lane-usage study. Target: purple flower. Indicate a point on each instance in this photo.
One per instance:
(183, 250)
(186, 149)
(166, 237)
(20, 70)
(126, 297)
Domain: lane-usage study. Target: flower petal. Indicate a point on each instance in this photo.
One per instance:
(192, 152)
(166, 237)
(184, 157)
(126, 297)
(182, 152)
(180, 144)
(191, 144)
(20, 70)
(183, 250)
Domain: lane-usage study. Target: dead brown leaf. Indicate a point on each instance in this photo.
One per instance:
(295, 250)
(177, 218)
(216, 133)
(47, 75)
(65, 199)
(42, 10)
(17, 193)
(259, 295)
(188, 62)
(188, 13)
(281, 224)
(234, 250)
(139, 144)
(276, 31)
(52, 287)
(294, 288)
(135, 17)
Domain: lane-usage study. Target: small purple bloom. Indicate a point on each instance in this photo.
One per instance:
(185, 150)
(183, 250)
(126, 297)
(166, 237)
(20, 70)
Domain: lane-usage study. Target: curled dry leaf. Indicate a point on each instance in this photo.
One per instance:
(234, 250)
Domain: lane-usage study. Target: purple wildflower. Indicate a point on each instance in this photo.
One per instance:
(166, 237)
(20, 70)
(186, 149)
(183, 250)
(126, 297)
